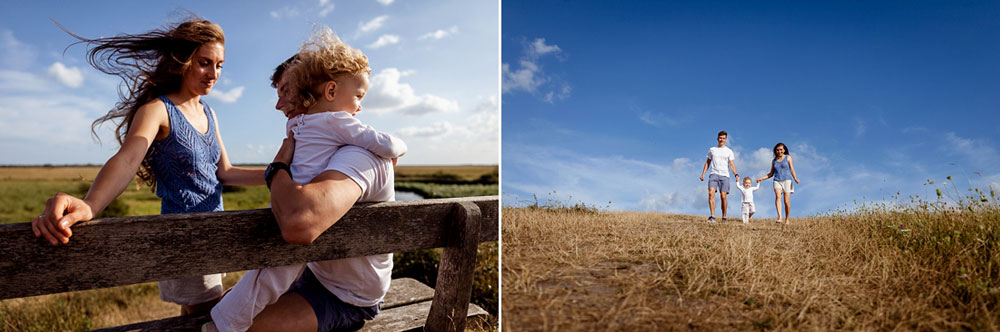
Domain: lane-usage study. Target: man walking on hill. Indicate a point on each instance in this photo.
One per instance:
(721, 159)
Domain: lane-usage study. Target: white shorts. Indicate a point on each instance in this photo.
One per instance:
(784, 186)
(191, 290)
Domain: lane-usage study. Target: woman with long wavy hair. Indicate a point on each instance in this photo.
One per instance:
(167, 135)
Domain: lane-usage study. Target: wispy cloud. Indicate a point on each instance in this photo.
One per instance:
(19, 81)
(385, 2)
(531, 78)
(230, 96)
(285, 12)
(596, 179)
(979, 154)
(384, 40)
(440, 33)
(860, 126)
(62, 119)
(484, 121)
(436, 130)
(69, 76)
(14, 53)
(388, 94)
(372, 25)
(325, 7)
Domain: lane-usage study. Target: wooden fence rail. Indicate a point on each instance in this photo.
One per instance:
(128, 250)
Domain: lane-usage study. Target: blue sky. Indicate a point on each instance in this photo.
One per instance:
(620, 101)
(434, 82)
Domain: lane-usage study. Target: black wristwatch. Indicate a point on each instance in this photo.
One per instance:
(273, 169)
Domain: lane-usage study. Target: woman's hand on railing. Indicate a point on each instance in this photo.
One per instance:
(61, 212)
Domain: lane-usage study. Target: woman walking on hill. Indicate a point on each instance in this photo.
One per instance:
(783, 172)
(166, 133)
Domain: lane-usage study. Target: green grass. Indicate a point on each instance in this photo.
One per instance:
(433, 190)
(24, 198)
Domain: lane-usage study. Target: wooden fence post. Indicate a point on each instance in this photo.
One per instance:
(453, 290)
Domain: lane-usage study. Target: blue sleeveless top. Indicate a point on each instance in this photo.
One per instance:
(185, 163)
(782, 171)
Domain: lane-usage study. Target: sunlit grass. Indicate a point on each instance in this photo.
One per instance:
(904, 265)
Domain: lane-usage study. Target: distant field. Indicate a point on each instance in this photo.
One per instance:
(23, 190)
(468, 172)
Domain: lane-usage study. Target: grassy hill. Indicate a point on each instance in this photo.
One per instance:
(921, 267)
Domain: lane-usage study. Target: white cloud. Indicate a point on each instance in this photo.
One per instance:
(14, 53)
(596, 179)
(531, 78)
(437, 130)
(69, 76)
(286, 12)
(385, 40)
(980, 155)
(62, 119)
(11, 81)
(372, 25)
(525, 79)
(561, 94)
(759, 163)
(484, 121)
(231, 96)
(387, 93)
(439, 34)
(385, 2)
(539, 48)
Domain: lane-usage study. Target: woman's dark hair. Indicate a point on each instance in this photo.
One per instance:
(150, 65)
(776, 150)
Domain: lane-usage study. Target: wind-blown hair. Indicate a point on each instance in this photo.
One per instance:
(322, 59)
(150, 64)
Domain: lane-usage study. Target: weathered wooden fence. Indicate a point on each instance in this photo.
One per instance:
(127, 250)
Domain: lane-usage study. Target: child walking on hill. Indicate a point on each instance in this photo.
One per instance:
(327, 79)
(747, 191)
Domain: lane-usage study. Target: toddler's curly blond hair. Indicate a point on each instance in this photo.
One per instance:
(322, 59)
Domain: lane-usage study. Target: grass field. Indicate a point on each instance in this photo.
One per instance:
(24, 190)
(920, 267)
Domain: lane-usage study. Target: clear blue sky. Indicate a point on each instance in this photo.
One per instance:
(434, 82)
(619, 101)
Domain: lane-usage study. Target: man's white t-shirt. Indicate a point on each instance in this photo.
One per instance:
(361, 281)
(720, 160)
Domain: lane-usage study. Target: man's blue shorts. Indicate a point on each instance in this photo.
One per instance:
(719, 182)
(331, 313)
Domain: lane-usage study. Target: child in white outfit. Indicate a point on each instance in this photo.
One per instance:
(330, 78)
(747, 191)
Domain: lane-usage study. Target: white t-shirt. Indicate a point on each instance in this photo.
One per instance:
(361, 281)
(319, 135)
(720, 160)
(748, 192)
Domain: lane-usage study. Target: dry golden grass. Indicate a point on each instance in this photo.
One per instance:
(49, 173)
(566, 270)
(90, 309)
